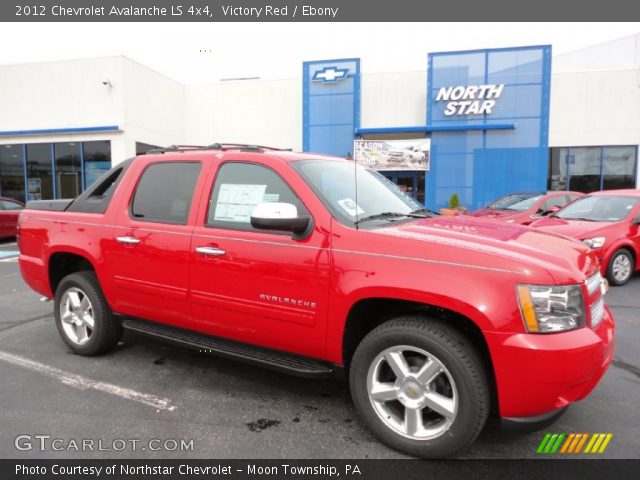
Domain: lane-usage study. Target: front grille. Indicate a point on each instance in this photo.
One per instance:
(597, 312)
(594, 282)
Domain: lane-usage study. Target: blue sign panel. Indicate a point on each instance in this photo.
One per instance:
(469, 89)
(330, 105)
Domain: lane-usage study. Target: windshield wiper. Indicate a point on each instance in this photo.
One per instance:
(428, 212)
(580, 219)
(383, 215)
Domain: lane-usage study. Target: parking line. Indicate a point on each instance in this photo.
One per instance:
(83, 383)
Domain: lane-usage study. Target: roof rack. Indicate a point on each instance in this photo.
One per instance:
(243, 147)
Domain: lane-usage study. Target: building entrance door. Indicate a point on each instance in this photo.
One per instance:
(410, 182)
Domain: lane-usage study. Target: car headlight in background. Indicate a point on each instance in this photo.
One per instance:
(595, 242)
(550, 309)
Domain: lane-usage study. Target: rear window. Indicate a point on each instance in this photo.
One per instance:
(97, 196)
(165, 191)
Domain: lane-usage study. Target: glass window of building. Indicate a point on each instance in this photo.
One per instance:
(12, 172)
(97, 160)
(68, 170)
(589, 169)
(39, 172)
(619, 167)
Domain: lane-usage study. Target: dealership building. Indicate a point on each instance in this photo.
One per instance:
(499, 120)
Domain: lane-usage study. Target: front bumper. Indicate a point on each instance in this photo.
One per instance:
(538, 374)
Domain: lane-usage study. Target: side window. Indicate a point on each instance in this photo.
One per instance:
(7, 205)
(558, 201)
(239, 188)
(165, 191)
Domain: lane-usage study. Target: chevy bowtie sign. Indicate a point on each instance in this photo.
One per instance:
(470, 99)
(330, 75)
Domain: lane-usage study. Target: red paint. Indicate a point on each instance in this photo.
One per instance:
(8, 218)
(527, 216)
(617, 234)
(463, 264)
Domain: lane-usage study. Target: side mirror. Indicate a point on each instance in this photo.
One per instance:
(636, 221)
(551, 210)
(279, 216)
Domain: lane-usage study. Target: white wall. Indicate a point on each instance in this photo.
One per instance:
(393, 99)
(154, 107)
(60, 94)
(595, 108)
(263, 112)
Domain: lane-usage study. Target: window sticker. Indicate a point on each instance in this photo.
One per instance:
(351, 207)
(237, 201)
(271, 197)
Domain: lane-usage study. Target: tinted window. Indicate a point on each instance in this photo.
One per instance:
(165, 191)
(10, 205)
(239, 188)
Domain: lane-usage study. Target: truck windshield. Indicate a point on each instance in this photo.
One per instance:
(377, 201)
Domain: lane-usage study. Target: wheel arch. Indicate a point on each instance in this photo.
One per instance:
(65, 261)
(368, 313)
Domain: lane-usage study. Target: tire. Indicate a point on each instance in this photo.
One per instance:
(461, 388)
(620, 268)
(79, 303)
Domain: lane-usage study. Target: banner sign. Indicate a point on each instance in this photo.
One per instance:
(393, 154)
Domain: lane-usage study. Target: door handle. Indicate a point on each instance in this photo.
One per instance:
(128, 240)
(213, 251)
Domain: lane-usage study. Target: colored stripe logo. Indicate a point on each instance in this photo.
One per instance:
(574, 443)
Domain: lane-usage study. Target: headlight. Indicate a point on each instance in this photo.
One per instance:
(549, 309)
(595, 242)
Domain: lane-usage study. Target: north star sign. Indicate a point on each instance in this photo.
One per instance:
(470, 99)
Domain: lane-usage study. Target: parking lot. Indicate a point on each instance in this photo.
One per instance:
(147, 390)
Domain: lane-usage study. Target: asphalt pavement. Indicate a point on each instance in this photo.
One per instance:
(216, 408)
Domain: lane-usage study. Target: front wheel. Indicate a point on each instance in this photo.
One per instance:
(620, 267)
(83, 317)
(420, 386)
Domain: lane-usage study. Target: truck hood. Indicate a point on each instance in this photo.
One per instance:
(494, 244)
(571, 228)
(489, 213)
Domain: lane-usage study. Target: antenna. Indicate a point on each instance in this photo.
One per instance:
(355, 181)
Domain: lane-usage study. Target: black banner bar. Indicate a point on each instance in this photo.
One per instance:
(314, 11)
(543, 469)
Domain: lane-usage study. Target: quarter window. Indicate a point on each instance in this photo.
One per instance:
(165, 191)
(239, 188)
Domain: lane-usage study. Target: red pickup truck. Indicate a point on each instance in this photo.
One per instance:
(276, 258)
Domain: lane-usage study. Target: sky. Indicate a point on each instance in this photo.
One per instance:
(194, 53)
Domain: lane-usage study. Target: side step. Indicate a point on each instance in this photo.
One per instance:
(272, 359)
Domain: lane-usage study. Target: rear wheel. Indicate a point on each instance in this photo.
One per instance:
(620, 267)
(420, 387)
(83, 317)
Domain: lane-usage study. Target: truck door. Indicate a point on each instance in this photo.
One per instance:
(258, 286)
(148, 256)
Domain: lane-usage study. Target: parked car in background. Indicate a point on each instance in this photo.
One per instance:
(9, 213)
(609, 223)
(524, 208)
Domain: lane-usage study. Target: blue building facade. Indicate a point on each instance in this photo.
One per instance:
(487, 115)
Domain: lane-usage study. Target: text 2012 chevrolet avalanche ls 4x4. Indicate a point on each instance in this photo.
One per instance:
(276, 258)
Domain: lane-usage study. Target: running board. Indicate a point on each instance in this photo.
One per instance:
(264, 357)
